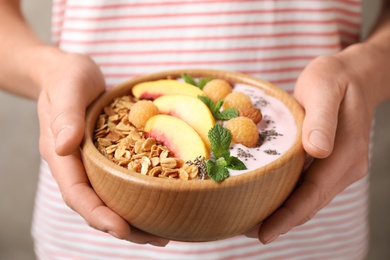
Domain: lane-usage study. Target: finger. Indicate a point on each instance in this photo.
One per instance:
(320, 184)
(78, 195)
(68, 101)
(302, 204)
(145, 238)
(253, 232)
(321, 97)
(73, 183)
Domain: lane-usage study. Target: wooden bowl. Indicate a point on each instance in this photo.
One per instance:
(198, 210)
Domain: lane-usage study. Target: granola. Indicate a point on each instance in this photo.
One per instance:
(129, 147)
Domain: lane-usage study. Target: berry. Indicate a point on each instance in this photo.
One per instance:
(141, 112)
(243, 131)
(237, 100)
(217, 89)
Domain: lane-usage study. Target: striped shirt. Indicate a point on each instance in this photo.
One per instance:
(270, 39)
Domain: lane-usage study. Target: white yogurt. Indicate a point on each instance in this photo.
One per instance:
(277, 127)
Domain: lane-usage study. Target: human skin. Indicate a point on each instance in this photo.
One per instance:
(63, 85)
(339, 94)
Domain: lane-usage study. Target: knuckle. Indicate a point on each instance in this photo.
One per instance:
(360, 169)
(43, 148)
(70, 196)
(57, 121)
(322, 196)
(67, 199)
(307, 218)
(360, 163)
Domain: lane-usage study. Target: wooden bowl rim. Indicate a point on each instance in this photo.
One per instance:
(89, 150)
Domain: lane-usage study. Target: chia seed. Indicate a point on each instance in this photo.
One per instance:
(268, 120)
(268, 135)
(243, 154)
(199, 162)
(271, 152)
(260, 102)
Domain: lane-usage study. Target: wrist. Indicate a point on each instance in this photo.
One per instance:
(367, 66)
(37, 62)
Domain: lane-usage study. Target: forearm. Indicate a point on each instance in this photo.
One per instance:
(370, 60)
(21, 51)
(379, 40)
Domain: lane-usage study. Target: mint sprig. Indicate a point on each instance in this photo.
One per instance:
(215, 109)
(216, 172)
(188, 79)
(227, 114)
(201, 82)
(236, 164)
(220, 139)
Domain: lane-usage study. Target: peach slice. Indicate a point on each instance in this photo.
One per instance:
(154, 89)
(190, 109)
(180, 138)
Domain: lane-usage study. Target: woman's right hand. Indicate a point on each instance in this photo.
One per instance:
(68, 84)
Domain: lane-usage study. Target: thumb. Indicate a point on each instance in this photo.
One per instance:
(67, 123)
(68, 102)
(321, 97)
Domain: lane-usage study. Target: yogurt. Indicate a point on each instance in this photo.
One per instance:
(277, 131)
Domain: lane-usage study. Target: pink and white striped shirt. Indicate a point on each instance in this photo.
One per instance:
(270, 39)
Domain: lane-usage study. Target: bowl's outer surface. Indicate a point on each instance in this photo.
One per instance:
(194, 210)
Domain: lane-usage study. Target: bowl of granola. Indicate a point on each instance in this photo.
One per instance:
(194, 155)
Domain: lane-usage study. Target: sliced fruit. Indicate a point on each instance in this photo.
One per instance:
(180, 138)
(154, 89)
(190, 109)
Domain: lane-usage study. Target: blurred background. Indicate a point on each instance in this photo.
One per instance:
(19, 158)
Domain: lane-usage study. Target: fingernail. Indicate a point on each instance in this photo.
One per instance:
(112, 233)
(320, 140)
(269, 240)
(162, 243)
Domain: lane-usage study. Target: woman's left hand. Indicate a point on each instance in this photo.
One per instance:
(336, 94)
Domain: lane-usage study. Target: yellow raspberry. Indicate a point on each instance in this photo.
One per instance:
(141, 111)
(217, 89)
(238, 100)
(243, 130)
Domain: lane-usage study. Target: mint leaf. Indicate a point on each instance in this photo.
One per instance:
(213, 107)
(222, 162)
(220, 139)
(203, 81)
(188, 79)
(235, 164)
(208, 102)
(216, 172)
(217, 106)
(227, 114)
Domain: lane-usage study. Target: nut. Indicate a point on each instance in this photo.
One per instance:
(251, 113)
(121, 142)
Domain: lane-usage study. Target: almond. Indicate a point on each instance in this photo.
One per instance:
(252, 113)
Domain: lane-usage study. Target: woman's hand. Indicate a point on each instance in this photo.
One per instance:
(338, 97)
(67, 88)
(339, 94)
